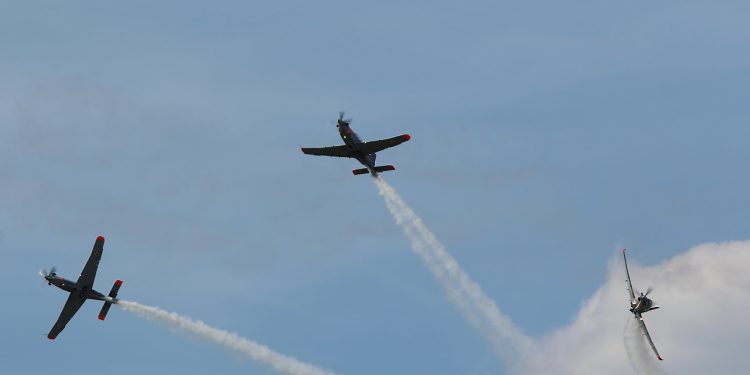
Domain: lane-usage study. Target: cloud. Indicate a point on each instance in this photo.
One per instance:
(699, 329)
(702, 327)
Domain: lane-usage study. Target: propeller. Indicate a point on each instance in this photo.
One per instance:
(341, 118)
(649, 290)
(51, 272)
(44, 273)
(645, 295)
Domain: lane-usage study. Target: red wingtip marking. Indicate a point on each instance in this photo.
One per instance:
(118, 282)
(101, 317)
(100, 238)
(622, 250)
(302, 149)
(660, 358)
(393, 168)
(51, 337)
(407, 137)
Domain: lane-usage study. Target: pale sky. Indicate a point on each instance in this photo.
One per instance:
(545, 135)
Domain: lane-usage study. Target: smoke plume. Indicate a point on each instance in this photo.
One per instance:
(256, 351)
(481, 311)
(701, 327)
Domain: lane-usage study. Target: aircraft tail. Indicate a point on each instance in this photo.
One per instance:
(382, 168)
(108, 304)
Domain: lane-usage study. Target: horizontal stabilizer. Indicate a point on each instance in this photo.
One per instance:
(360, 171)
(385, 168)
(115, 288)
(382, 168)
(105, 310)
(112, 295)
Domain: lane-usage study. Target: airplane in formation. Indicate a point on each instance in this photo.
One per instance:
(353, 147)
(81, 289)
(639, 305)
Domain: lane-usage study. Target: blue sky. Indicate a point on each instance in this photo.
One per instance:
(544, 136)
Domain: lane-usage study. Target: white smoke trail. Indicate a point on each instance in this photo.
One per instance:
(254, 350)
(508, 341)
(639, 352)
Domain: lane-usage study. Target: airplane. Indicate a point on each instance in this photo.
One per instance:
(353, 147)
(81, 289)
(640, 305)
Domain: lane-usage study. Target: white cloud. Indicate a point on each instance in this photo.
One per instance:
(702, 327)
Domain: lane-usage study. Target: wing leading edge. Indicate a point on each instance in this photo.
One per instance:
(639, 318)
(72, 305)
(342, 151)
(381, 144)
(88, 274)
(630, 284)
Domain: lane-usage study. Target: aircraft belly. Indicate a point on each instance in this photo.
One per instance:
(68, 288)
(93, 294)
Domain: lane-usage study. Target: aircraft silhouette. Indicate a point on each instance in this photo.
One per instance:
(353, 147)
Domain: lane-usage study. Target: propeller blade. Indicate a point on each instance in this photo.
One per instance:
(649, 290)
(53, 270)
(341, 115)
(41, 273)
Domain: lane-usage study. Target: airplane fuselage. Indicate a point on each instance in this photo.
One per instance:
(71, 287)
(351, 139)
(642, 304)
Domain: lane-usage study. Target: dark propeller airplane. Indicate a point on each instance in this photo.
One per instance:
(353, 147)
(639, 305)
(81, 289)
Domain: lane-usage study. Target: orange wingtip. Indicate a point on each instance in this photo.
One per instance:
(118, 282)
(51, 337)
(100, 238)
(407, 137)
(101, 317)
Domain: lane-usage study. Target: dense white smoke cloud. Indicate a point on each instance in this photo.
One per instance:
(701, 327)
(507, 339)
(258, 352)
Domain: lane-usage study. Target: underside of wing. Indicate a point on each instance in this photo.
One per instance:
(379, 145)
(342, 151)
(627, 273)
(72, 305)
(86, 278)
(648, 336)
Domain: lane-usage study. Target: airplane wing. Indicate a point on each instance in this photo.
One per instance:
(630, 284)
(86, 278)
(379, 145)
(342, 151)
(648, 337)
(72, 305)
